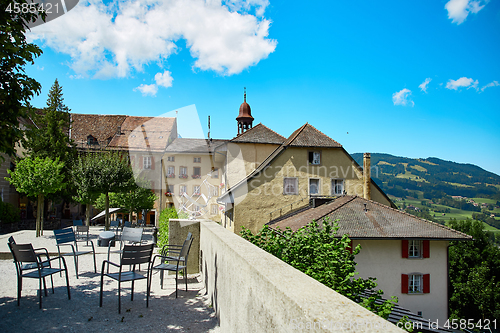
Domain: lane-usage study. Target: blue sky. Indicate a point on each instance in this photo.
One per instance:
(356, 70)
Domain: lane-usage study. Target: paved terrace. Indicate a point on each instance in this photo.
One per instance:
(189, 312)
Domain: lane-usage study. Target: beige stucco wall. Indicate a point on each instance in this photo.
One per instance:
(382, 259)
(264, 193)
(251, 290)
(187, 160)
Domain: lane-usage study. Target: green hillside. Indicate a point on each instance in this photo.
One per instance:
(436, 189)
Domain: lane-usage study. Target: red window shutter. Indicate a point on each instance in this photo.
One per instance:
(153, 186)
(152, 162)
(141, 160)
(426, 251)
(427, 283)
(349, 247)
(404, 283)
(404, 248)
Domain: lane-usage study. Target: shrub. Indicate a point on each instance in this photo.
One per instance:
(9, 213)
(165, 216)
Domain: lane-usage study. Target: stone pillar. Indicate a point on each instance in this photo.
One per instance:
(177, 233)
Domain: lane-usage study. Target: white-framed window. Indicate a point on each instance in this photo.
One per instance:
(415, 284)
(170, 189)
(183, 170)
(182, 189)
(146, 162)
(215, 173)
(214, 209)
(171, 158)
(313, 186)
(196, 172)
(414, 248)
(337, 186)
(315, 157)
(214, 191)
(291, 186)
(196, 190)
(197, 160)
(170, 171)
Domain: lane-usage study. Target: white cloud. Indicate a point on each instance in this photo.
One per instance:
(147, 89)
(458, 10)
(462, 82)
(423, 85)
(491, 84)
(164, 80)
(402, 98)
(111, 40)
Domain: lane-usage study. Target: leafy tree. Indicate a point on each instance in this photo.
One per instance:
(49, 136)
(37, 177)
(9, 213)
(316, 251)
(137, 199)
(84, 177)
(474, 291)
(17, 87)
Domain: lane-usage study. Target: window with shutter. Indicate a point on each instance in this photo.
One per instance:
(404, 248)
(426, 253)
(404, 283)
(427, 283)
(290, 186)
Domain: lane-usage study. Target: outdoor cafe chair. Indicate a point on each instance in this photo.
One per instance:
(174, 253)
(132, 255)
(39, 252)
(24, 255)
(66, 237)
(129, 236)
(81, 230)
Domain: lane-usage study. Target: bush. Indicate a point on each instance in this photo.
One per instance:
(165, 216)
(9, 213)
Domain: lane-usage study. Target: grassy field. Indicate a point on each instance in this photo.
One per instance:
(490, 228)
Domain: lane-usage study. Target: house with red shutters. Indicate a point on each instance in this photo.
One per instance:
(408, 255)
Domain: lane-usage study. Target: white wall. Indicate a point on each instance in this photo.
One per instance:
(382, 259)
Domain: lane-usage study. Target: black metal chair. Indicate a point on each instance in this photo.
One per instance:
(174, 253)
(24, 255)
(66, 237)
(132, 255)
(39, 252)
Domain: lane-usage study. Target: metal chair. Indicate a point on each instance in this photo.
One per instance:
(177, 254)
(132, 255)
(129, 236)
(66, 237)
(39, 252)
(23, 255)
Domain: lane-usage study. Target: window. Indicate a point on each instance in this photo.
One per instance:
(91, 140)
(182, 189)
(415, 248)
(214, 191)
(290, 186)
(170, 190)
(214, 209)
(197, 160)
(415, 283)
(314, 157)
(146, 162)
(196, 172)
(215, 173)
(171, 158)
(313, 186)
(183, 172)
(170, 171)
(337, 186)
(196, 190)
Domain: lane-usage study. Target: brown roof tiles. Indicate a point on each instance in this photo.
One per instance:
(259, 134)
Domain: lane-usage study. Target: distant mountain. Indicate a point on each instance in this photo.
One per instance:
(431, 177)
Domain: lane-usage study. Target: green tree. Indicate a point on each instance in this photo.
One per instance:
(138, 198)
(316, 251)
(36, 178)
(17, 87)
(49, 135)
(474, 290)
(83, 175)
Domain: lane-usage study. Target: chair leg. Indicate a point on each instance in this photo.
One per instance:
(76, 265)
(19, 287)
(67, 279)
(161, 278)
(45, 287)
(176, 276)
(40, 292)
(119, 298)
(52, 283)
(186, 277)
(95, 265)
(132, 291)
(102, 279)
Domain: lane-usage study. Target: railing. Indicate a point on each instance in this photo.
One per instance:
(287, 208)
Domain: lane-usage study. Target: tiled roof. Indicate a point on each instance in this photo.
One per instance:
(193, 146)
(309, 136)
(144, 133)
(259, 134)
(101, 127)
(377, 222)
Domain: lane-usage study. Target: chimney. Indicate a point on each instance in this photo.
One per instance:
(366, 176)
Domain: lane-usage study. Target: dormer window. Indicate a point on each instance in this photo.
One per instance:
(91, 140)
(315, 157)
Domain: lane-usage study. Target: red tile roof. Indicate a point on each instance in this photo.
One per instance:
(259, 134)
(309, 136)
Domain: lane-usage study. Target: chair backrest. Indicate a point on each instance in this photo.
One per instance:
(77, 222)
(82, 228)
(127, 224)
(113, 223)
(132, 234)
(11, 240)
(23, 252)
(141, 223)
(66, 235)
(136, 254)
(186, 247)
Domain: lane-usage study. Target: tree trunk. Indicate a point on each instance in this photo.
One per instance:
(106, 219)
(130, 216)
(42, 215)
(39, 208)
(87, 214)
